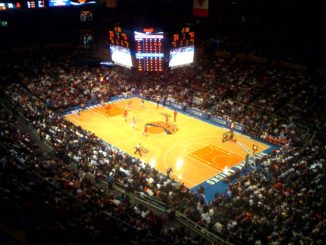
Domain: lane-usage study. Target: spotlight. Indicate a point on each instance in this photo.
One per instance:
(179, 164)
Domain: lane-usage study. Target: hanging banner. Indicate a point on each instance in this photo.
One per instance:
(200, 8)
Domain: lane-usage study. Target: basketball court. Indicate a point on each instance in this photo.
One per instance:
(191, 147)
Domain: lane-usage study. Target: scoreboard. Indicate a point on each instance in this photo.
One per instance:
(183, 38)
(37, 4)
(149, 50)
(116, 37)
(120, 47)
(22, 4)
(59, 3)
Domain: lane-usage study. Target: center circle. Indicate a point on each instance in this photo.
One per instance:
(155, 130)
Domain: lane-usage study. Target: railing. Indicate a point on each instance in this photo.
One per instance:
(200, 230)
(205, 102)
(153, 202)
(311, 139)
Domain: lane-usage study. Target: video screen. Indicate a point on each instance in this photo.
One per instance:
(59, 3)
(121, 55)
(181, 56)
(81, 2)
(7, 5)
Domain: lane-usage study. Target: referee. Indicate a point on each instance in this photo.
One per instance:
(138, 149)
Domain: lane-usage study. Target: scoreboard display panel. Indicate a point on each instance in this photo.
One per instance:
(185, 37)
(6, 5)
(119, 47)
(117, 37)
(35, 4)
(59, 3)
(121, 55)
(181, 56)
(81, 2)
(22, 4)
(149, 50)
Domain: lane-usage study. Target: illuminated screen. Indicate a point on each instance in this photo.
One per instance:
(5, 5)
(181, 56)
(22, 4)
(36, 4)
(81, 2)
(57, 3)
(121, 55)
(149, 51)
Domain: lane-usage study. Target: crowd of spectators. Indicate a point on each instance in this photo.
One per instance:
(59, 198)
(235, 89)
(279, 203)
(75, 206)
(269, 205)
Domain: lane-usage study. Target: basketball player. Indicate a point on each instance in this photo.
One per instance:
(133, 122)
(142, 103)
(125, 114)
(232, 125)
(80, 109)
(157, 102)
(145, 130)
(168, 172)
(175, 113)
(166, 118)
(138, 146)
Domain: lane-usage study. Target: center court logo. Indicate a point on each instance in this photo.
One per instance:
(160, 127)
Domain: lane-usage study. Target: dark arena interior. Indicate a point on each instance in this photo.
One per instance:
(253, 68)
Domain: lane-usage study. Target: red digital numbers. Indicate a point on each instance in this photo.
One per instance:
(184, 38)
(116, 37)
